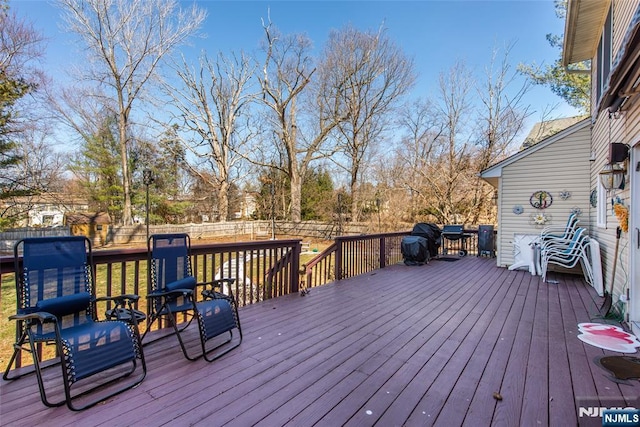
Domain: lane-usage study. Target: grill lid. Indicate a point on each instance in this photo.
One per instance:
(452, 229)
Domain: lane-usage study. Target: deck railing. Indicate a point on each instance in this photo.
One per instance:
(357, 255)
(365, 253)
(262, 270)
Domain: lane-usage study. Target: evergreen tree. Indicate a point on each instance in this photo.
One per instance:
(18, 45)
(97, 166)
(574, 86)
(317, 196)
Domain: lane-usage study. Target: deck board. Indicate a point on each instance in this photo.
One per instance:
(483, 405)
(427, 345)
(561, 403)
(482, 338)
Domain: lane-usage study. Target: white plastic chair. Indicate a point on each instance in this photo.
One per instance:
(567, 254)
(554, 233)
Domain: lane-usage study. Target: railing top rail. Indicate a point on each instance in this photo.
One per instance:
(244, 246)
(101, 256)
(316, 259)
(371, 236)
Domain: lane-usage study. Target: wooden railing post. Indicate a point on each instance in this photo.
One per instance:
(339, 259)
(383, 255)
(295, 267)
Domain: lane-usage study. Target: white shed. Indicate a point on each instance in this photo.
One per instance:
(541, 186)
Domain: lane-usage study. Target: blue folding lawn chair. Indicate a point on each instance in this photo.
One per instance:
(173, 293)
(57, 306)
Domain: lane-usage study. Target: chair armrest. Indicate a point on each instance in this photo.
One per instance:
(41, 316)
(553, 228)
(120, 299)
(212, 294)
(218, 283)
(123, 309)
(160, 294)
(556, 242)
(566, 251)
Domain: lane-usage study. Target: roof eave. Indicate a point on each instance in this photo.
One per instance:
(583, 27)
(495, 171)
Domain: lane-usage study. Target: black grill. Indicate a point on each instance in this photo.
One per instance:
(452, 232)
(455, 232)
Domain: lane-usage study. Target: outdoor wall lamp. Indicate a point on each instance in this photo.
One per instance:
(612, 174)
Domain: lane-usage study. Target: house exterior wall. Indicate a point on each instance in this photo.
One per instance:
(46, 210)
(615, 118)
(623, 126)
(605, 233)
(561, 166)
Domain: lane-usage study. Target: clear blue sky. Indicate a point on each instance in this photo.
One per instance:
(435, 33)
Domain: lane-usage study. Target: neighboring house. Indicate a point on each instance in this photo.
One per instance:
(558, 165)
(608, 34)
(547, 128)
(248, 206)
(46, 210)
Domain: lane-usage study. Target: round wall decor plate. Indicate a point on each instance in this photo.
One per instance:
(541, 199)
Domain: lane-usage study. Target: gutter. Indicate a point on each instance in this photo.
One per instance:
(576, 71)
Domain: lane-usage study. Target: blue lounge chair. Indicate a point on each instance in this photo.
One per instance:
(173, 293)
(57, 306)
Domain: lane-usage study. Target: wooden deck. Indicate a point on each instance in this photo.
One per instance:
(426, 345)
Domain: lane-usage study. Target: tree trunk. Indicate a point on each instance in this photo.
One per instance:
(127, 218)
(223, 201)
(296, 196)
(355, 214)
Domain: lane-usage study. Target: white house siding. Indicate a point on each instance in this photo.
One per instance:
(623, 127)
(606, 236)
(560, 166)
(623, 11)
(631, 255)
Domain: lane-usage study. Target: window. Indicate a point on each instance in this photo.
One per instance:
(604, 54)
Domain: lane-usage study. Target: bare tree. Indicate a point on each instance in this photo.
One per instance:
(447, 175)
(39, 171)
(501, 117)
(448, 140)
(21, 48)
(420, 147)
(76, 108)
(96, 161)
(211, 106)
(286, 73)
(126, 41)
(372, 74)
